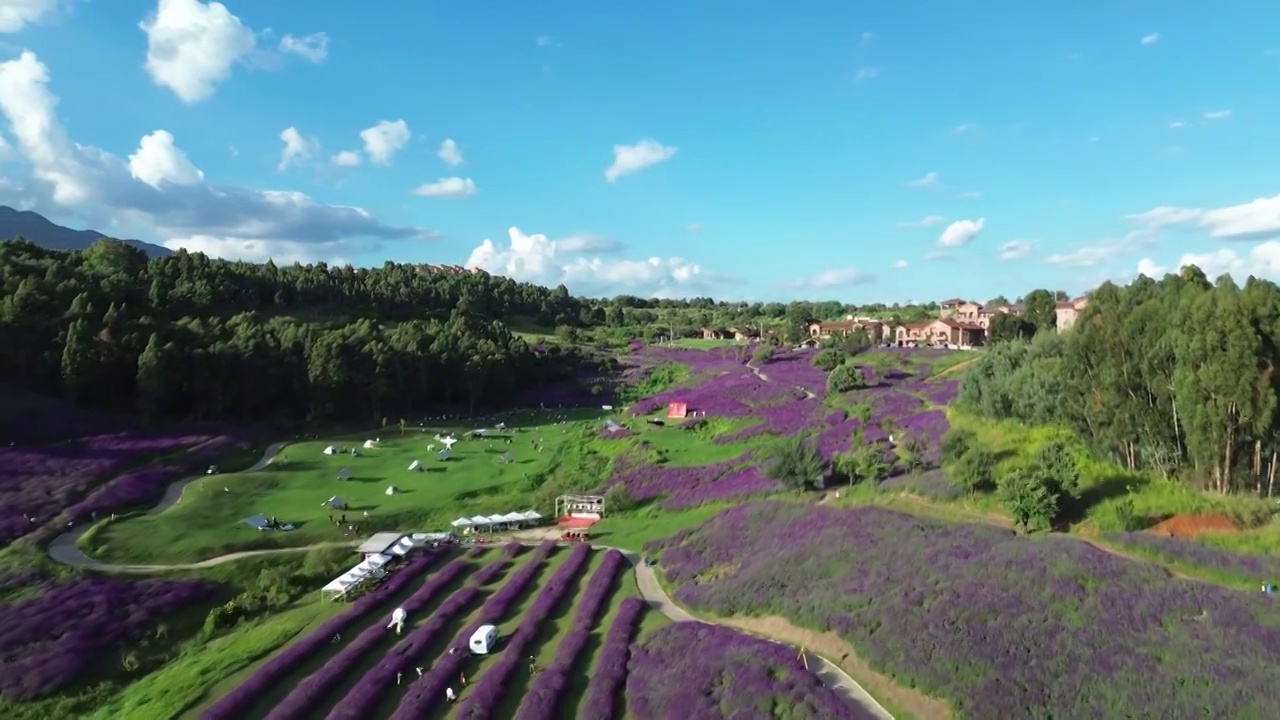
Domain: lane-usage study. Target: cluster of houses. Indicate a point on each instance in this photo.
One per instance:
(960, 323)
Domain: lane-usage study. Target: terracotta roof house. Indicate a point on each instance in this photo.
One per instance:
(1068, 312)
(943, 331)
(842, 328)
(962, 310)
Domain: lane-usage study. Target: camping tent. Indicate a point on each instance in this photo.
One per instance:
(344, 474)
(258, 522)
(370, 444)
(331, 450)
(392, 490)
(336, 503)
(415, 465)
(443, 455)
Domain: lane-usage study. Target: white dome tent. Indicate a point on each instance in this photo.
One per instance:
(392, 490)
(331, 450)
(415, 465)
(370, 444)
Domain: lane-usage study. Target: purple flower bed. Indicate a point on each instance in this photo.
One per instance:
(236, 704)
(994, 622)
(795, 369)
(306, 695)
(147, 485)
(72, 627)
(428, 690)
(943, 392)
(543, 701)
(484, 701)
(730, 675)
(1263, 568)
(603, 700)
(364, 697)
(686, 487)
(617, 433)
(929, 426)
(38, 483)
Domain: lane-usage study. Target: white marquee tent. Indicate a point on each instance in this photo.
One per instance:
(369, 567)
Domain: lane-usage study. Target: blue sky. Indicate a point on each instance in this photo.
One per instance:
(764, 150)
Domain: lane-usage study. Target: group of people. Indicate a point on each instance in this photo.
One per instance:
(451, 696)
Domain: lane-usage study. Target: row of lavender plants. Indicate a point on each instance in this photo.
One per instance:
(997, 623)
(1262, 568)
(484, 700)
(372, 688)
(306, 695)
(730, 675)
(49, 640)
(236, 704)
(603, 700)
(545, 697)
(428, 690)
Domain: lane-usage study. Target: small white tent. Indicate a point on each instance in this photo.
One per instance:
(392, 490)
(415, 465)
(462, 523)
(344, 474)
(370, 444)
(443, 455)
(331, 450)
(337, 503)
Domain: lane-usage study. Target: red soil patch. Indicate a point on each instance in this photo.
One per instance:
(1192, 526)
(577, 522)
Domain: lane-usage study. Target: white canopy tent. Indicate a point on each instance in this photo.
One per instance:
(462, 523)
(415, 465)
(481, 521)
(369, 567)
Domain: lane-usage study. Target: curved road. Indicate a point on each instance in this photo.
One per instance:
(64, 549)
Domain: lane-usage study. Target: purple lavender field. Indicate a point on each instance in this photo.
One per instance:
(998, 624)
(729, 675)
(63, 634)
(70, 481)
(783, 397)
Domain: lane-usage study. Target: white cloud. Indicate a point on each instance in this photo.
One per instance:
(384, 140)
(1087, 255)
(453, 187)
(934, 255)
(695, 228)
(159, 161)
(868, 38)
(1217, 115)
(346, 158)
(961, 233)
(296, 148)
(17, 14)
(926, 221)
(450, 153)
(1150, 39)
(837, 277)
(628, 159)
(899, 265)
(1016, 250)
(588, 243)
(534, 258)
(545, 41)
(159, 193)
(970, 195)
(1094, 139)
(192, 46)
(281, 251)
(1177, 125)
(1256, 220)
(964, 128)
(312, 48)
(865, 74)
(929, 180)
(1262, 261)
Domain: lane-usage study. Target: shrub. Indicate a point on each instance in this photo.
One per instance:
(846, 378)
(827, 360)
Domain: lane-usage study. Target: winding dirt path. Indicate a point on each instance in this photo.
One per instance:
(761, 374)
(65, 548)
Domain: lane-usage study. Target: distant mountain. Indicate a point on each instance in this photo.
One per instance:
(39, 230)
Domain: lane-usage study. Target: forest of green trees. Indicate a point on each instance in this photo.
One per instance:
(186, 337)
(1177, 376)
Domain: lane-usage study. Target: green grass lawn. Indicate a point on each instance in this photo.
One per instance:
(294, 489)
(702, 344)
